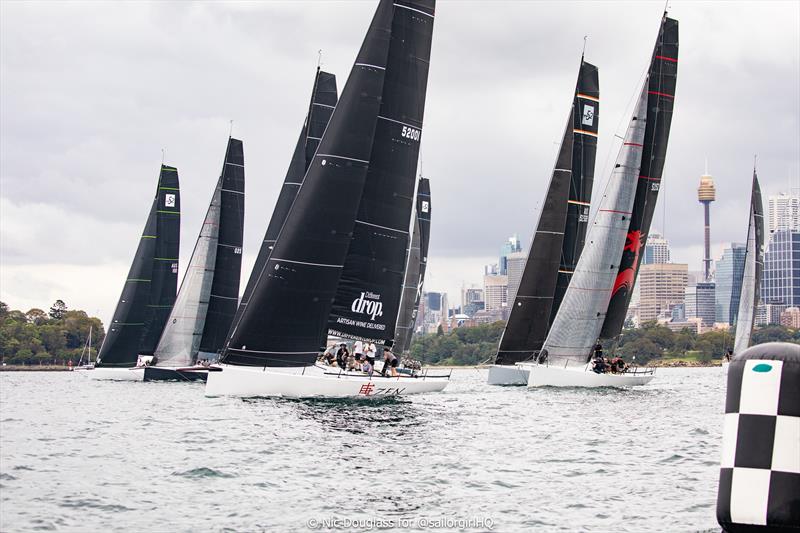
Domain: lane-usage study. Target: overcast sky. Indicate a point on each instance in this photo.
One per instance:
(91, 92)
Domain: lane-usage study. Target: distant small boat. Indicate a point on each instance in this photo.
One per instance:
(86, 352)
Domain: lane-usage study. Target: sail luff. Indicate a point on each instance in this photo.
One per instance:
(528, 321)
(662, 76)
(133, 313)
(583, 310)
(753, 269)
(286, 315)
(368, 297)
(224, 292)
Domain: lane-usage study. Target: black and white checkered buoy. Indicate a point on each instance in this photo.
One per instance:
(759, 482)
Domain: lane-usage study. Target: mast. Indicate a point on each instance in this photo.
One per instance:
(561, 230)
(287, 312)
(415, 269)
(145, 301)
(662, 77)
(753, 270)
(580, 317)
(213, 268)
(368, 297)
(320, 107)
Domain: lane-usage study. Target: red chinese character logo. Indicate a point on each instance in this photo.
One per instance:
(366, 389)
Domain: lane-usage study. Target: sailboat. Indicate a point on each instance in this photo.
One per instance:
(86, 352)
(208, 295)
(345, 236)
(149, 290)
(608, 265)
(323, 102)
(559, 237)
(415, 269)
(753, 270)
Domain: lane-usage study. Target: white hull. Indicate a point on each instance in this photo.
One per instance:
(725, 365)
(508, 375)
(309, 382)
(116, 374)
(581, 376)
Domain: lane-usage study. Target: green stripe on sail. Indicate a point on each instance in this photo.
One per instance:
(148, 236)
(153, 305)
(168, 169)
(169, 212)
(163, 259)
(138, 279)
(128, 324)
(169, 188)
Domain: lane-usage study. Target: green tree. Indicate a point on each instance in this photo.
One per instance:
(57, 309)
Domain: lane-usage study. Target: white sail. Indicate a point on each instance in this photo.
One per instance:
(753, 266)
(580, 318)
(181, 338)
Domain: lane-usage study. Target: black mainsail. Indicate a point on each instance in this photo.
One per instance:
(208, 292)
(288, 309)
(149, 290)
(561, 230)
(320, 108)
(662, 77)
(224, 296)
(368, 297)
(415, 269)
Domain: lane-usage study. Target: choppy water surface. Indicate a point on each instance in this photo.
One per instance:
(77, 455)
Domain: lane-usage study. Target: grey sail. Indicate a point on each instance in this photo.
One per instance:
(753, 269)
(181, 338)
(415, 269)
(579, 320)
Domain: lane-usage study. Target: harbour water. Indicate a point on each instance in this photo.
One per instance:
(78, 455)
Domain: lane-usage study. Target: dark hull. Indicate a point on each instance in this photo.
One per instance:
(154, 373)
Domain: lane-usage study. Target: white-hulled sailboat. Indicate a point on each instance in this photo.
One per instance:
(598, 296)
(346, 235)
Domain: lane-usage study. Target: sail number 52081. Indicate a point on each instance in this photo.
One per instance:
(410, 133)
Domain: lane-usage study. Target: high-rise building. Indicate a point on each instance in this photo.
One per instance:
(705, 195)
(663, 285)
(730, 270)
(781, 281)
(700, 302)
(509, 247)
(784, 212)
(656, 250)
(768, 314)
(515, 266)
(495, 291)
(790, 318)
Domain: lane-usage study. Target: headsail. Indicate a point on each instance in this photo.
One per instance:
(149, 290)
(368, 297)
(415, 269)
(192, 311)
(288, 309)
(561, 230)
(661, 97)
(320, 108)
(753, 270)
(580, 317)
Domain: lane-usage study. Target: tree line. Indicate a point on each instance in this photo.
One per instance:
(54, 337)
(471, 346)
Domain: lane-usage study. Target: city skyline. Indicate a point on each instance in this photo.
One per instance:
(77, 163)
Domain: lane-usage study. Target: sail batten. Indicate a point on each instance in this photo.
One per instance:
(149, 290)
(753, 270)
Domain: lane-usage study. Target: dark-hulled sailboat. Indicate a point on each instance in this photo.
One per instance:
(206, 302)
(149, 290)
(368, 151)
(753, 270)
(622, 217)
(559, 237)
(415, 269)
(320, 109)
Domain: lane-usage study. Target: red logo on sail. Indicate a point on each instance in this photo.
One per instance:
(626, 277)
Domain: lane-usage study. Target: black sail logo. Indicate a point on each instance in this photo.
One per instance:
(368, 303)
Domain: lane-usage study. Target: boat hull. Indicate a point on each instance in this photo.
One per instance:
(162, 373)
(508, 375)
(557, 376)
(311, 382)
(116, 374)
